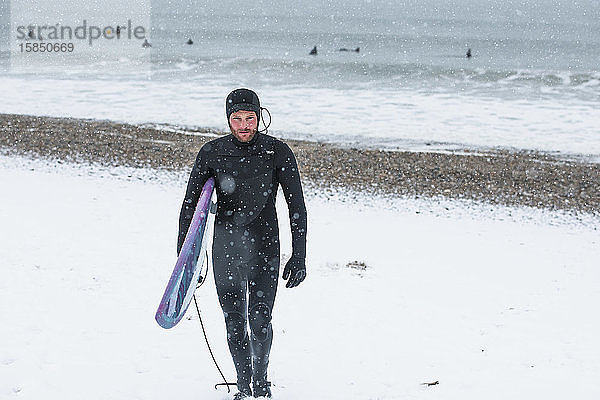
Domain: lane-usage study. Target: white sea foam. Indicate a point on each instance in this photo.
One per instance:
(392, 118)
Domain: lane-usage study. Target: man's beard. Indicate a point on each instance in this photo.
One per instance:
(244, 137)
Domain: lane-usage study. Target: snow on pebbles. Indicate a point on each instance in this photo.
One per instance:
(405, 298)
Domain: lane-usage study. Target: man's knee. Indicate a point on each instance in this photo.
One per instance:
(236, 326)
(260, 321)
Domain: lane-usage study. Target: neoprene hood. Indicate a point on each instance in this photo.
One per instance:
(242, 99)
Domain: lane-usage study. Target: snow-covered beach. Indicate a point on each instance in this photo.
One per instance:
(538, 179)
(492, 302)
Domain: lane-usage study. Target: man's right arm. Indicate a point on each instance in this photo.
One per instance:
(198, 177)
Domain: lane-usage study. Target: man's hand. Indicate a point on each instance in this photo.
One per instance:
(295, 270)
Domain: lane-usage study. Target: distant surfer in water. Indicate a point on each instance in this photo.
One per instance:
(469, 55)
(146, 44)
(313, 52)
(355, 50)
(248, 166)
(190, 42)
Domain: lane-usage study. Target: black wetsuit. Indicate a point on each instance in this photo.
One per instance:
(246, 237)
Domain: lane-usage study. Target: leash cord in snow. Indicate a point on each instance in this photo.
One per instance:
(225, 383)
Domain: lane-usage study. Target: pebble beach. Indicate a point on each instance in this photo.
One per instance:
(498, 176)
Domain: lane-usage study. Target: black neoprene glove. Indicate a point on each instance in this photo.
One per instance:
(295, 270)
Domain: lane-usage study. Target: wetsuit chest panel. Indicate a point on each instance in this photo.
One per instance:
(244, 184)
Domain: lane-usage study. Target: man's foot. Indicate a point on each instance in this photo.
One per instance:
(262, 389)
(244, 392)
(242, 395)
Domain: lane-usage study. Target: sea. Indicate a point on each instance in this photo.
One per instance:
(532, 81)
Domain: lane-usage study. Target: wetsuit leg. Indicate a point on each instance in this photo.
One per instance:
(231, 281)
(262, 287)
(246, 269)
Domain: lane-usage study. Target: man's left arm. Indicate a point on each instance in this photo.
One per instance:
(288, 176)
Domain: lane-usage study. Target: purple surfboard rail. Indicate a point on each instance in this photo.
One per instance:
(183, 281)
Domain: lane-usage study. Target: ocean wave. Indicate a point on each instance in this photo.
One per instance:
(392, 117)
(337, 73)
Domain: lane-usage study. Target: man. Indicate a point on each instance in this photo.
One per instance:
(248, 167)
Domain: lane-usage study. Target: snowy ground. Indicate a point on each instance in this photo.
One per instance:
(492, 302)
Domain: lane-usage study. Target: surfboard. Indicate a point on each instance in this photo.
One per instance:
(185, 276)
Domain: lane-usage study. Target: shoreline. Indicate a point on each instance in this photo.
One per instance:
(505, 177)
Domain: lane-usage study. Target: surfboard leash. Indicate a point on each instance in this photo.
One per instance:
(225, 383)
